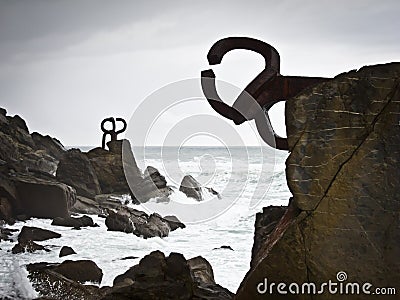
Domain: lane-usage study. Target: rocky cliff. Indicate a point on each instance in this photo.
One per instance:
(344, 173)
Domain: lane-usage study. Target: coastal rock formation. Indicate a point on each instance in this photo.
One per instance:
(343, 172)
(193, 189)
(42, 198)
(84, 221)
(36, 234)
(65, 251)
(28, 235)
(172, 277)
(130, 220)
(265, 224)
(109, 168)
(62, 281)
(76, 170)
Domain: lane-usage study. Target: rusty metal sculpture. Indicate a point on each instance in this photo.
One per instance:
(112, 132)
(268, 88)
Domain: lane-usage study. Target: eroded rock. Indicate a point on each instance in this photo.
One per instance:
(343, 173)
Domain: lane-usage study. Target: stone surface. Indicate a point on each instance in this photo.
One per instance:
(65, 251)
(84, 221)
(191, 187)
(27, 246)
(85, 205)
(172, 277)
(42, 198)
(109, 169)
(265, 224)
(51, 145)
(50, 284)
(343, 172)
(76, 170)
(130, 220)
(174, 222)
(36, 234)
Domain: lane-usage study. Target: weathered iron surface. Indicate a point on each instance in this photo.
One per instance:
(268, 88)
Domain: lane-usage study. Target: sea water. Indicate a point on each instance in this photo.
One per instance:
(249, 177)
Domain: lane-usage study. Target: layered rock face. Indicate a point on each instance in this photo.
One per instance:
(344, 173)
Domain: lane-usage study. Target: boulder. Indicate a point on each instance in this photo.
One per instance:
(76, 170)
(109, 167)
(191, 187)
(343, 172)
(36, 234)
(118, 222)
(65, 251)
(51, 145)
(174, 222)
(155, 226)
(154, 175)
(84, 221)
(172, 277)
(27, 246)
(42, 198)
(80, 271)
(130, 220)
(50, 284)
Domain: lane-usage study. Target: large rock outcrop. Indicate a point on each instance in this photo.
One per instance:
(76, 170)
(172, 277)
(343, 171)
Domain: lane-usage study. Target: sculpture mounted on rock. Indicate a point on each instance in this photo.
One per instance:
(268, 88)
(112, 132)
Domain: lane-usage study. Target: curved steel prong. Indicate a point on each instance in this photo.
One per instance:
(107, 131)
(123, 127)
(210, 92)
(223, 46)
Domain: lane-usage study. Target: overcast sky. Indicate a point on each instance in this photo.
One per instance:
(65, 65)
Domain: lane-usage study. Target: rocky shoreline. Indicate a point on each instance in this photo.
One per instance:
(42, 179)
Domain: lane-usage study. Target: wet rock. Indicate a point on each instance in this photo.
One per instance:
(118, 222)
(27, 246)
(154, 175)
(155, 226)
(80, 271)
(5, 233)
(65, 251)
(264, 225)
(47, 280)
(36, 234)
(85, 205)
(224, 247)
(84, 221)
(172, 277)
(76, 170)
(129, 257)
(343, 168)
(191, 188)
(42, 198)
(174, 222)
